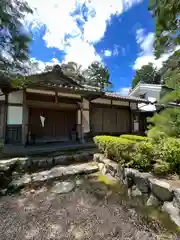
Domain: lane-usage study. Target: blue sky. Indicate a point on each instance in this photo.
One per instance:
(119, 33)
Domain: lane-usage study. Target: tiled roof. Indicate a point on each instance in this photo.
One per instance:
(59, 80)
(127, 98)
(92, 90)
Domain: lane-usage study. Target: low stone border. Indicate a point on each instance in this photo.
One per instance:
(44, 162)
(55, 173)
(11, 168)
(157, 192)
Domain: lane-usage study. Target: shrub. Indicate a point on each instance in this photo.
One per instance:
(169, 151)
(161, 168)
(143, 156)
(156, 135)
(135, 137)
(114, 147)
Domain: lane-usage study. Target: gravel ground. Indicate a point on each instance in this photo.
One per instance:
(80, 214)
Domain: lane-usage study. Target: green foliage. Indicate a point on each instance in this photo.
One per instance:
(156, 135)
(97, 75)
(143, 156)
(167, 34)
(166, 123)
(135, 137)
(161, 168)
(170, 76)
(162, 157)
(147, 74)
(73, 70)
(13, 39)
(169, 151)
(114, 146)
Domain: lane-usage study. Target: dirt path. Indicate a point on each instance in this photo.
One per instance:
(80, 214)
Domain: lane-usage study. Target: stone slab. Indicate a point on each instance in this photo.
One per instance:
(161, 190)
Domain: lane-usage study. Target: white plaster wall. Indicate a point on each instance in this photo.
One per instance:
(133, 105)
(150, 90)
(14, 115)
(101, 101)
(15, 97)
(79, 117)
(151, 93)
(120, 103)
(136, 126)
(85, 104)
(86, 126)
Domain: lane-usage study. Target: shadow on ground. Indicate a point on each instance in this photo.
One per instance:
(93, 210)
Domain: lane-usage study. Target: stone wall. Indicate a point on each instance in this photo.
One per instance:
(157, 192)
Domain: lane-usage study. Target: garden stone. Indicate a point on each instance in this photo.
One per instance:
(5, 165)
(130, 172)
(142, 181)
(135, 192)
(63, 187)
(161, 190)
(128, 181)
(102, 168)
(49, 161)
(61, 171)
(176, 199)
(3, 192)
(98, 157)
(21, 182)
(60, 160)
(173, 212)
(153, 201)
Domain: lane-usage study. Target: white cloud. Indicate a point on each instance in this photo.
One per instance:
(124, 91)
(107, 53)
(116, 50)
(146, 55)
(62, 30)
(86, 54)
(38, 66)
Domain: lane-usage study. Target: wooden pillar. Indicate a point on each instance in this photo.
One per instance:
(2, 122)
(79, 123)
(25, 118)
(83, 120)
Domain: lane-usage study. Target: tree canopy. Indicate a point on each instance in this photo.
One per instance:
(167, 16)
(97, 75)
(147, 74)
(170, 74)
(14, 40)
(167, 122)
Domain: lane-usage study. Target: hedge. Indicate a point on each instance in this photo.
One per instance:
(168, 150)
(114, 147)
(160, 158)
(135, 137)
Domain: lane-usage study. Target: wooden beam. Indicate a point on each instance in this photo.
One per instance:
(40, 104)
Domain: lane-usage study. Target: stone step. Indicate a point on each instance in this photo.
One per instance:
(11, 151)
(55, 173)
(38, 163)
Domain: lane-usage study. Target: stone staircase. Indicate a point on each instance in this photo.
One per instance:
(16, 173)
